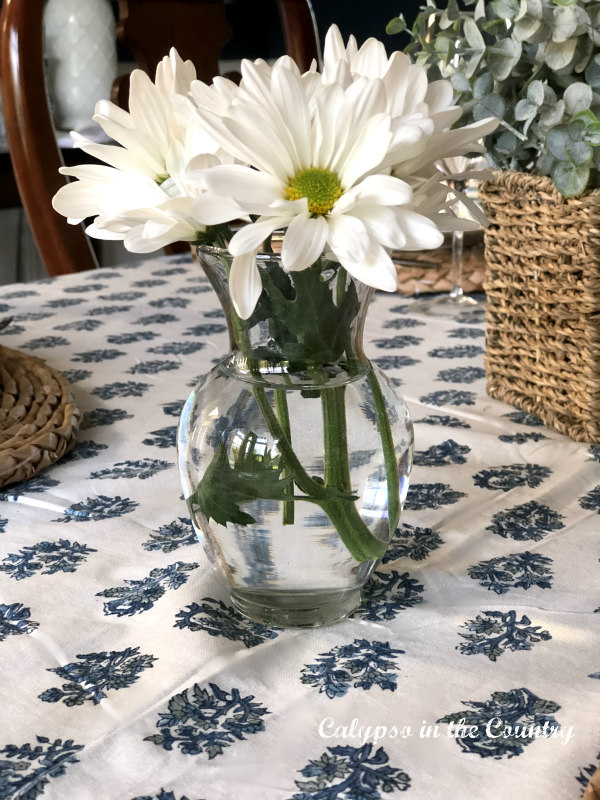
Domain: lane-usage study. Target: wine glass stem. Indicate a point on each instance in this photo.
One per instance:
(456, 289)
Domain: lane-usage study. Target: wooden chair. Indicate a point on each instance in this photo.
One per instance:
(197, 28)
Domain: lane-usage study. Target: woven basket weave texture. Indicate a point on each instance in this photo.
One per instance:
(543, 301)
(38, 417)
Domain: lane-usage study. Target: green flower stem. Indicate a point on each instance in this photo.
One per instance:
(389, 452)
(284, 420)
(342, 512)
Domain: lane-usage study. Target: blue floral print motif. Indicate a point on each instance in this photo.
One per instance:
(20, 293)
(362, 664)
(394, 362)
(344, 772)
(412, 542)
(216, 313)
(90, 287)
(173, 409)
(218, 619)
(122, 296)
(162, 795)
(3, 524)
(96, 356)
(445, 420)
(172, 270)
(64, 302)
(207, 720)
(176, 534)
(461, 375)
(45, 558)
(94, 673)
(595, 675)
(126, 389)
(87, 449)
(76, 375)
(518, 713)
(473, 316)
(97, 508)
(511, 476)
(14, 621)
(530, 520)
(153, 367)
(206, 329)
(163, 438)
(397, 342)
(98, 311)
(170, 302)
(449, 397)
(156, 319)
(36, 485)
(131, 338)
(142, 469)
(46, 341)
(466, 333)
(404, 309)
(493, 634)
(517, 570)
(140, 595)
(458, 351)
(594, 452)
(522, 438)
(148, 283)
(80, 325)
(431, 495)
(591, 500)
(585, 774)
(103, 416)
(386, 594)
(25, 771)
(177, 348)
(523, 418)
(401, 323)
(440, 455)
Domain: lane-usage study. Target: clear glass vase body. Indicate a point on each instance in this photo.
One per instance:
(294, 451)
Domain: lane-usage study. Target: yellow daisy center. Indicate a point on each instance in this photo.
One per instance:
(321, 187)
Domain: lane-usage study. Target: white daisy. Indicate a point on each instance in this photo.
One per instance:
(314, 161)
(144, 196)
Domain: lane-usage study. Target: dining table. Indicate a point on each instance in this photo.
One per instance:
(471, 669)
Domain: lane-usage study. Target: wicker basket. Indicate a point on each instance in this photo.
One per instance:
(543, 301)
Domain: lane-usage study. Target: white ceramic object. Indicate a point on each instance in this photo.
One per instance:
(81, 58)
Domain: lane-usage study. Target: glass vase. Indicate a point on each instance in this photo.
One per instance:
(294, 450)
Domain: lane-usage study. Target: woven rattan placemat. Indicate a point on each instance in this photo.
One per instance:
(38, 418)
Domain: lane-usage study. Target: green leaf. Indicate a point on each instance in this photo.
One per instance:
(506, 9)
(483, 86)
(553, 116)
(473, 35)
(535, 92)
(579, 152)
(526, 28)
(490, 106)
(223, 489)
(396, 25)
(570, 179)
(502, 57)
(592, 72)
(525, 109)
(556, 142)
(559, 55)
(578, 97)
(460, 82)
(565, 23)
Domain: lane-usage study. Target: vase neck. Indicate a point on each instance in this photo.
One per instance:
(307, 326)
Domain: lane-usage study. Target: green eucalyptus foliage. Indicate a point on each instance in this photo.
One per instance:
(535, 64)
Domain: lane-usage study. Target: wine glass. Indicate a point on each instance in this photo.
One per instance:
(461, 173)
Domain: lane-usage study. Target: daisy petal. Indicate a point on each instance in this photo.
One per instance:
(304, 241)
(375, 269)
(348, 237)
(245, 284)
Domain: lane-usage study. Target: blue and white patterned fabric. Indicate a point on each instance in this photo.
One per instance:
(472, 668)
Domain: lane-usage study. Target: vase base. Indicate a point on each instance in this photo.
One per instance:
(297, 609)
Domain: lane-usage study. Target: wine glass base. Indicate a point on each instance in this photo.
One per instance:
(444, 305)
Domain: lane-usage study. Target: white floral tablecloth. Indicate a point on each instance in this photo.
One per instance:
(472, 669)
